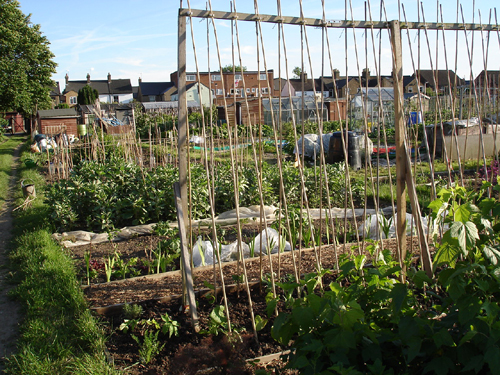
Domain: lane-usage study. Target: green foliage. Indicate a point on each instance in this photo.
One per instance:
(368, 322)
(132, 310)
(218, 322)
(153, 122)
(104, 196)
(149, 347)
(26, 62)
(62, 106)
(473, 222)
(229, 68)
(297, 72)
(169, 326)
(87, 95)
(167, 250)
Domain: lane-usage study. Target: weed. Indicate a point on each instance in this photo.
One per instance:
(132, 310)
(169, 326)
(149, 347)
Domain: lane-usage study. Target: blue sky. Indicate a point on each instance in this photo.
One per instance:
(132, 38)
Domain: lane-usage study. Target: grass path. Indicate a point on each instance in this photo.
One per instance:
(57, 333)
(9, 309)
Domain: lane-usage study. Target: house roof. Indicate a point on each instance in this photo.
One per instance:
(116, 86)
(408, 79)
(155, 88)
(55, 90)
(277, 83)
(188, 87)
(309, 84)
(50, 113)
(441, 77)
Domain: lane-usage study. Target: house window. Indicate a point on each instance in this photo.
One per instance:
(220, 92)
(410, 89)
(72, 100)
(116, 99)
(190, 77)
(237, 76)
(216, 77)
(239, 92)
(213, 92)
(152, 98)
(253, 90)
(421, 88)
(262, 77)
(248, 90)
(265, 90)
(231, 91)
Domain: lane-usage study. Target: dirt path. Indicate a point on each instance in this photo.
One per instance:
(9, 309)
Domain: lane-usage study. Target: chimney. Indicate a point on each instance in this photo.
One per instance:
(88, 79)
(366, 74)
(140, 80)
(67, 78)
(303, 75)
(336, 74)
(109, 78)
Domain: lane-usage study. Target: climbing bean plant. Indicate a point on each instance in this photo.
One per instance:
(367, 321)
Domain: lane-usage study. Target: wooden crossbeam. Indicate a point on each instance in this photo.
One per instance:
(341, 24)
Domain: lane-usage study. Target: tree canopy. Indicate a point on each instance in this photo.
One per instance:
(87, 95)
(229, 68)
(26, 64)
(297, 72)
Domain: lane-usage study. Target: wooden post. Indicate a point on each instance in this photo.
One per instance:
(397, 68)
(185, 258)
(182, 142)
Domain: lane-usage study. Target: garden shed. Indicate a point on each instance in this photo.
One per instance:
(55, 121)
(16, 122)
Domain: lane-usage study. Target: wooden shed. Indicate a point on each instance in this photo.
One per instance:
(16, 122)
(56, 121)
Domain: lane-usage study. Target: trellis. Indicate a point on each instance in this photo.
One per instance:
(405, 174)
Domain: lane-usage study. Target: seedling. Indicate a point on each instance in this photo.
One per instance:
(132, 311)
(149, 347)
(169, 326)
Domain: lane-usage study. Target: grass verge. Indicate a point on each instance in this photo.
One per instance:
(7, 147)
(58, 334)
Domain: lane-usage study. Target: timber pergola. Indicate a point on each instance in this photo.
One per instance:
(405, 182)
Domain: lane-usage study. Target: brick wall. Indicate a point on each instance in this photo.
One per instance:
(57, 125)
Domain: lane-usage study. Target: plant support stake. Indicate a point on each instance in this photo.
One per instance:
(185, 259)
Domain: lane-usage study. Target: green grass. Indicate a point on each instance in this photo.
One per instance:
(58, 334)
(7, 146)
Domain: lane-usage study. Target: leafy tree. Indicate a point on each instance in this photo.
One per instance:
(62, 106)
(26, 64)
(297, 71)
(87, 95)
(229, 69)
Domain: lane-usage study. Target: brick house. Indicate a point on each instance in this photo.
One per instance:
(110, 90)
(228, 85)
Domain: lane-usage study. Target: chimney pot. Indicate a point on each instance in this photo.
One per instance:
(88, 78)
(109, 77)
(67, 78)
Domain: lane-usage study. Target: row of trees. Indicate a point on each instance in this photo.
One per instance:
(26, 62)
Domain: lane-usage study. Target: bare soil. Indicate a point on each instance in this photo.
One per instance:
(192, 353)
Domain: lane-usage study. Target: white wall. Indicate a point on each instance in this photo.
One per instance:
(122, 98)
